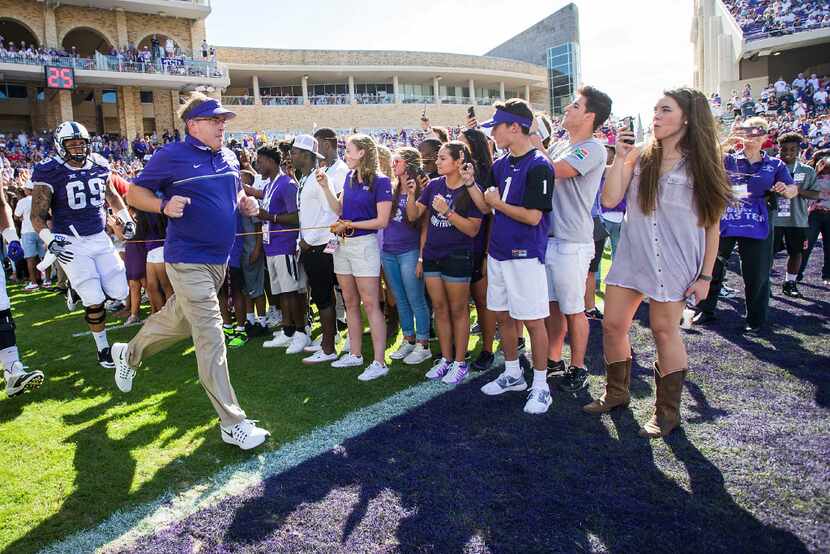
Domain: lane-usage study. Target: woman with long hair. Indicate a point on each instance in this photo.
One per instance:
(677, 190)
(453, 220)
(482, 161)
(399, 256)
(364, 207)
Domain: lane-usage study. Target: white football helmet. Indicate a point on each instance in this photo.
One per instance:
(69, 130)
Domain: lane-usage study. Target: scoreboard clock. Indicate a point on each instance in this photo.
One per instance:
(62, 78)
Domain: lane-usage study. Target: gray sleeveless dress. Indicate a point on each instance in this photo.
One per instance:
(660, 254)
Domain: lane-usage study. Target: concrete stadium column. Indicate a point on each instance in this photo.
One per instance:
(175, 102)
(396, 89)
(472, 86)
(501, 91)
(130, 120)
(255, 86)
(197, 34)
(163, 109)
(50, 27)
(351, 89)
(527, 93)
(435, 91)
(60, 108)
(305, 90)
(121, 27)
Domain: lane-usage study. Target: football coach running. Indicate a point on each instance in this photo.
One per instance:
(198, 182)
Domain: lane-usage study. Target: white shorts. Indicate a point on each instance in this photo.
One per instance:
(566, 264)
(358, 256)
(516, 286)
(156, 255)
(97, 271)
(285, 273)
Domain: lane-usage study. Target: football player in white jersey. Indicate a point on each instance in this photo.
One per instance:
(74, 185)
(18, 380)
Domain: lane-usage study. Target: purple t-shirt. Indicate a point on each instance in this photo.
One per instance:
(360, 201)
(280, 199)
(400, 236)
(443, 238)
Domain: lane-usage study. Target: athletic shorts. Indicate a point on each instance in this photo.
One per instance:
(32, 246)
(96, 271)
(135, 260)
(514, 285)
(358, 256)
(566, 264)
(794, 239)
(254, 277)
(456, 267)
(286, 274)
(479, 259)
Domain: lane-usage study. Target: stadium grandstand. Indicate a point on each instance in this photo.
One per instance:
(120, 66)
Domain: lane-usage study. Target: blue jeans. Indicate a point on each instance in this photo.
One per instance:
(409, 292)
(613, 230)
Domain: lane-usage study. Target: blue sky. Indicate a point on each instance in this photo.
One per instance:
(632, 49)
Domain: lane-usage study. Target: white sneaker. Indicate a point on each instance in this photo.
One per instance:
(440, 369)
(456, 374)
(245, 434)
(403, 351)
(504, 383)
(18, 380)
(31, 286)
(279, 341)
(273, 319)
(347, 360)
(419, 355)
(538, 401)
(319, 357)
(298, 342)
(373, 371)
(314, 346)
(123, 372)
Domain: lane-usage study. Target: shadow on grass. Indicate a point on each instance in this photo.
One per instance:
(465, 471)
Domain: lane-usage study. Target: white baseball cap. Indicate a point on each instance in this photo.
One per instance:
(307, 142)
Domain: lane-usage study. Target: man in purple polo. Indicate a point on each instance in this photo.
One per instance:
(199, 187)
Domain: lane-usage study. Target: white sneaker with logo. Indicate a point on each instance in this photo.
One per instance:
(347, 360)
(245, 434)
(319, 357)
(419, 355)
(298, 342)
(403, 351)
(373, 371)
(538, 401)
(123, 372)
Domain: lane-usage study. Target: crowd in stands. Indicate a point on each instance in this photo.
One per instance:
(762, 18)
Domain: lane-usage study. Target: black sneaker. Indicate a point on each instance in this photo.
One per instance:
(105, 358)
(594, 313)
(702, 318)
(254, 330)
(575, 379)
(791, 289)
(752, 331)
(520, 346)
(556, 368)
(483, 361)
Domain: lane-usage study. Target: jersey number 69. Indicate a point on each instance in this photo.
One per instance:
(76, 193)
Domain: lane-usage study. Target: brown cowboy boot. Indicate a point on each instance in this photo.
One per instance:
(618, 376)
(667, 404)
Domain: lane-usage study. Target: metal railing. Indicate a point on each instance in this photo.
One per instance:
(238, 100)
(281, 100)
(455, 100)
(329, 99)
(374, 98)
(417, 99)
(162, 66)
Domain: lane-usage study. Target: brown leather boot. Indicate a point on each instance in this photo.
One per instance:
(618, 376)
(667, 404)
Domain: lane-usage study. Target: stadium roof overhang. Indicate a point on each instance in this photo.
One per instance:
(771, 45)
(188, 9)
(10, 71)
(242, 73)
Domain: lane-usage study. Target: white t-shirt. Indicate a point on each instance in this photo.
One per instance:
(820, 97)
(24, 212)
(780, 87)
(314, 209)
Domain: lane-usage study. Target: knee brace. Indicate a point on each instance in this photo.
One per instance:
(7, 337)
(95, 315)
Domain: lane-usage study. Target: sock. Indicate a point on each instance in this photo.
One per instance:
(227, 325)
(8, 356)
(261, 320)
(272, 310)
(512, 368)
(250, 317)
(101, 341)
(289, 330)
(791, 277)
(540, 379)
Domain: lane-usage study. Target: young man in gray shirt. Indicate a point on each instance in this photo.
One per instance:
(578, 166)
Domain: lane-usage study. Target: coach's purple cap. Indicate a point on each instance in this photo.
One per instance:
(502, 116)
(210, 108)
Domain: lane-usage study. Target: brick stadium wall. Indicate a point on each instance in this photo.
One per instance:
(30, 14)
(68, 18)
(140, 25)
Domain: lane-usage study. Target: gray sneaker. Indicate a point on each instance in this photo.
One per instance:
(504, 383)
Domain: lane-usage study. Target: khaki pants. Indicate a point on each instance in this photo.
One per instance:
(193, 311)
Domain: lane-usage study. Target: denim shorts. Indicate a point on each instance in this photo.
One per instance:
(456, 267)
(32, 245)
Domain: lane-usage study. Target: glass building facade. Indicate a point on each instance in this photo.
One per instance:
(563, 65)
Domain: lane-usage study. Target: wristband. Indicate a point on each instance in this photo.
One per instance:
(163, 204)
(702, 277)
(420, 260)
(124, 216)
(10, 235)
(46, 236)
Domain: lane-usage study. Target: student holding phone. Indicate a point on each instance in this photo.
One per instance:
(676, 191)
(757, 180)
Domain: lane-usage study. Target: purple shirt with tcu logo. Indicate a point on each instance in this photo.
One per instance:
(360, 200)
(281, 198)
(205, 233)
(443, 238)
(400, 236)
